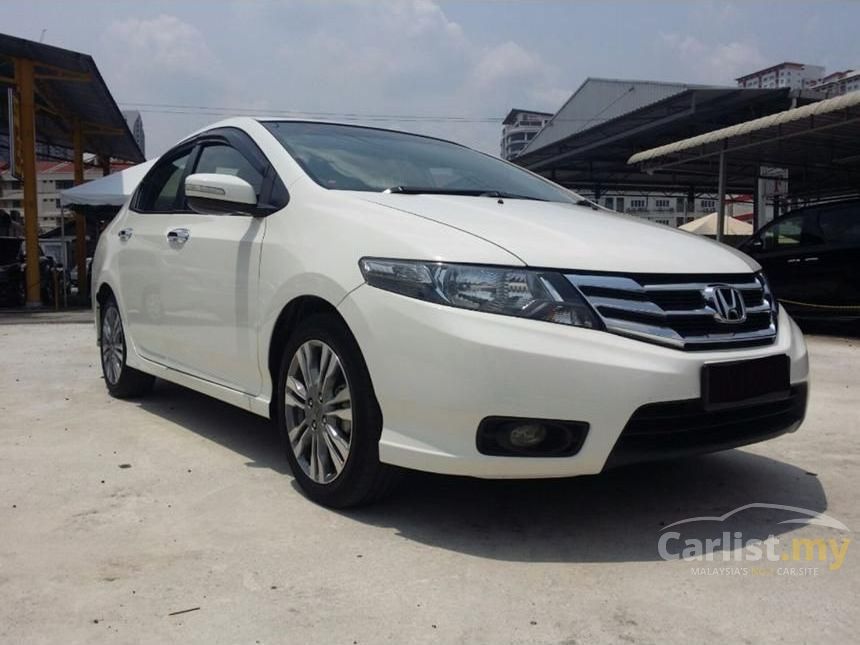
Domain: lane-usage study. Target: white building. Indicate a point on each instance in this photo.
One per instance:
(520, 127)
(52, 177)
(797, 76)
(837, 83)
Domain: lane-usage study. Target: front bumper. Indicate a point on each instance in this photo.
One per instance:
(438, 371)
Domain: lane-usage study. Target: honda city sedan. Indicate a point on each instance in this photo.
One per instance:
(398, 301)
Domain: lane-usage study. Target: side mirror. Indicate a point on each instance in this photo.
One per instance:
(210, 193)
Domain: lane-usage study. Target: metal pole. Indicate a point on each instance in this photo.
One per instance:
(26, 91)
(65, 257)
(721, 189)
(80, 220)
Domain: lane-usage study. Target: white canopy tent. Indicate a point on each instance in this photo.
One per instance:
(112, 190)
(707, 225)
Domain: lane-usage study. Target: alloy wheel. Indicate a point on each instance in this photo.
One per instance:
(113, 345)
(318, 411)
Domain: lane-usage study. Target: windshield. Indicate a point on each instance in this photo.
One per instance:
(345, 157)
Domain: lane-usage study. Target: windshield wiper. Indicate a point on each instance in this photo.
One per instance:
(466, 192)
(505, 195)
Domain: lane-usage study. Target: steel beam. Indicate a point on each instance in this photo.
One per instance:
(26, 96)
(721, 189)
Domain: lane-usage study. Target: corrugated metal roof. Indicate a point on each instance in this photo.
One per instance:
(827, 106)
(598, 100)
(82, 94)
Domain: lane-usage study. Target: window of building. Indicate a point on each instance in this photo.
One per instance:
(609, 202)
(708, 204)
(637, 204)
(619, 204)
(63, 184)
(663, 204)
(662, 221)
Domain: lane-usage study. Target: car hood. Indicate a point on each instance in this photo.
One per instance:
(567, 236)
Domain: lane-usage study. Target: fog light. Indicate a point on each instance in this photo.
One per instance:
(527, 435)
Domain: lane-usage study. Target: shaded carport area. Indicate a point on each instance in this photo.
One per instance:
(818, 144)
(596, 158)
(58, 102)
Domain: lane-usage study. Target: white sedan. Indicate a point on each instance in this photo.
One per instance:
(393, 300)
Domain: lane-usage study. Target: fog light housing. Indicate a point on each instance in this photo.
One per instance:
(523, 437)
(527, 435)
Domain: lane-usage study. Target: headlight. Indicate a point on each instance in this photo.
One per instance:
(510, 291)
(768, 293)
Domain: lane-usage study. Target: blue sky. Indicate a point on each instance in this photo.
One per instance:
(465, 59)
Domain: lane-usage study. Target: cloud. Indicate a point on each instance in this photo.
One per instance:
(718, 63)
(164, 42)
(380, 58)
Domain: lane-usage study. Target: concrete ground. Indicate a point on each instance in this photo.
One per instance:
(116, 517)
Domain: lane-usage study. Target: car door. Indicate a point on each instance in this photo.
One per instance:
(142, 240)
(789, 250)
(840, 227)
(211, 264)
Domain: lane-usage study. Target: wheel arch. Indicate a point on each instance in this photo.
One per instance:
(102, 294)
(295, 311)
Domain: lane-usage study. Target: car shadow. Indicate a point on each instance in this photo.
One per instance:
(617, 516)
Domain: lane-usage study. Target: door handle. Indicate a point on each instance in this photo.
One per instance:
(810, 259)
(792, 261)
(125, 234)
(178, 236)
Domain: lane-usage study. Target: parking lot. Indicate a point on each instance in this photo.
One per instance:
(175, 518)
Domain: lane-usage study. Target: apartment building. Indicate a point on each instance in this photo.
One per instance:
(796, 76)
(518, 128)
(51, 178)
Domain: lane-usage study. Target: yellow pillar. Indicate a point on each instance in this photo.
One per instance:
(25, 83)
(80, 220)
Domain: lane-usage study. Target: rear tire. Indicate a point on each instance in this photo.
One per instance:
(122, 381)
(328, 416)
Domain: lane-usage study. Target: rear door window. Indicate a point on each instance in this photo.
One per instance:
(841, 224)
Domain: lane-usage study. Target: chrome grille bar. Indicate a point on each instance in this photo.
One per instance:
(675, 312)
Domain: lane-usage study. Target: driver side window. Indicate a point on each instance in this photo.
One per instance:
(159, 191)
(793, 232)
(222, 159)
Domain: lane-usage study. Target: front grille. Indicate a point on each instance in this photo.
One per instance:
(674, 310)
(682, 428)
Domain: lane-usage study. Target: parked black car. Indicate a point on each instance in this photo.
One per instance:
(812, 258)
(13, 264)
(11, 278)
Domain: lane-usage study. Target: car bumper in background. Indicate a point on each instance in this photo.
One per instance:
(438, 372)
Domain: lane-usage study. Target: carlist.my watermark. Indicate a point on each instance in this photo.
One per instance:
(713, 550)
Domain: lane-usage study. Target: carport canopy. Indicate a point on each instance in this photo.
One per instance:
(111, 190)
(58, 100)
(818, 143)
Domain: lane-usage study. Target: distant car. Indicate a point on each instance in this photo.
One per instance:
(11, 278)
(13, 265)
(390, 299)
(811, 256)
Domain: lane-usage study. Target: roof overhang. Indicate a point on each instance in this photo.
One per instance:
(597, 157)
(818, 143)
(68, 89)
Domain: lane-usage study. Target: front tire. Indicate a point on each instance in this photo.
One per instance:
(328, 416)
(122, 381)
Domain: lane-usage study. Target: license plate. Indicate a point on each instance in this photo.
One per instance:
(750, 381)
